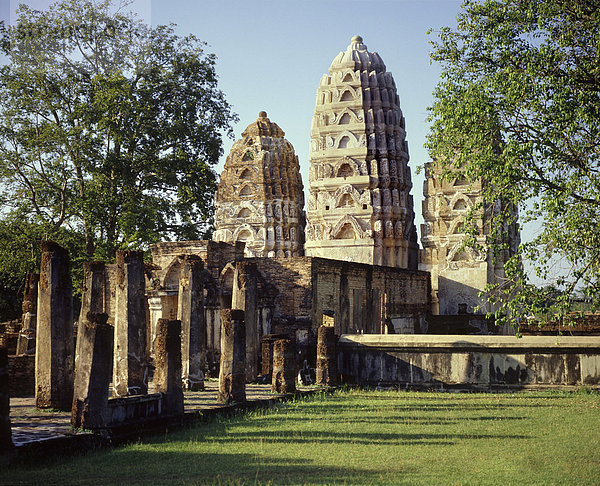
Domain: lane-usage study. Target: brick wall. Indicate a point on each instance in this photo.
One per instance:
(477, 362)
(292, 279)
(21, 375)
(362, 296)
(576, 325)
(214, 254)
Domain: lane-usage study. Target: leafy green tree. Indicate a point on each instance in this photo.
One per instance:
(108, 127)
(20, 253)
(518, 106)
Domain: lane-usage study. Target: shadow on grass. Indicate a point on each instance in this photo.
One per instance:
(132, 467)
(403, 420)
(288, 436)
(401, 410)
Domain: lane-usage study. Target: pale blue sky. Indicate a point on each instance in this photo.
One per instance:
(272, 54)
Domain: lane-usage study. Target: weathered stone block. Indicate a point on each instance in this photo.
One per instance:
(55, 347)
(267, 342)
(92, 378)
(232, 373)
(167, 375)
(284, 366)
(327, 370)
(130, 360)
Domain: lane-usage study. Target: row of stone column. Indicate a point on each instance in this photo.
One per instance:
(55, 354)
(54, 357)
(92, 379)
(232, 373)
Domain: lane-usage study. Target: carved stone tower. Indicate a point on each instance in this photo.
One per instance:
(260, 198)
(360, 208)
(459, 271)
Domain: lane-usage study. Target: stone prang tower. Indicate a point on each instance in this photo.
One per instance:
(260, 198)
(360, 208)
(460, 271)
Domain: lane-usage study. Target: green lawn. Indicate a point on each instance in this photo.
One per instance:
(363, 437)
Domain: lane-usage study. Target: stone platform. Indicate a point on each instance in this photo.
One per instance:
(32, 427)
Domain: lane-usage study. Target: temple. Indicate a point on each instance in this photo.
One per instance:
(461, 269)
(260, 199)
(360, 208)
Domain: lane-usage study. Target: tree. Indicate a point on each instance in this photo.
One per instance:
(20, 253)
(518, 106)
(108, 127)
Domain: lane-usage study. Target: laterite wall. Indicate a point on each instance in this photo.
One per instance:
(479, 362)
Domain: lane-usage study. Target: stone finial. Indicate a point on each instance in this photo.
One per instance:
(263, 127)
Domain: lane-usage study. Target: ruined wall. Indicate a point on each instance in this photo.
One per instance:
(21, 375)
(164, 283)
(292, 293)
(9, 335)
(292, 279)
(363, 297)
(479, 362)
(214, 254)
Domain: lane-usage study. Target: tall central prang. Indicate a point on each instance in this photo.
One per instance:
(360, 208)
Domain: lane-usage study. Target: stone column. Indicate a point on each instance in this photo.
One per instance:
(155, 311)
(327, 369)
(54, 342)
(167, 359)
(5, 432)
(93, 296)
(267, 342)
(92, 377)
(284, 366)
(190, 311)
(26, 341)
(232, 373)
(244, 297)
(130, 373)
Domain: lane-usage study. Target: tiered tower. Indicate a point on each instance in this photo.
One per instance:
(260, 198)
(460, 271)
(360, 208)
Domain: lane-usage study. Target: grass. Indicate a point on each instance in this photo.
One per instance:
(362, 437)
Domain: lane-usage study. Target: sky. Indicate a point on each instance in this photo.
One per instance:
(271, 55)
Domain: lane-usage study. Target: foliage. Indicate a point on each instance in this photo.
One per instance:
(518, 106)
(108, 127)
(362, 437)
(20, 253)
